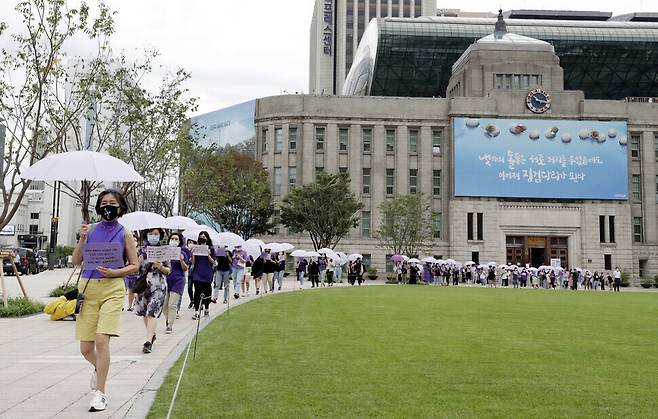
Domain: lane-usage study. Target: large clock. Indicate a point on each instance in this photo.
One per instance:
(538, 101)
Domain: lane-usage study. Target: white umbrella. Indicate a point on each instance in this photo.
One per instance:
(492, 264)
(413, 260)
(82, 165)
(458, 265)
(533, 269)
(343, 258)
(450, 261)
(231, 240)
(299, 253)
(354, 256)
(428, 259)
(193, 233)
(502, 266)
(312, 254)
(178, 222)
(142, 220)
(333, 256)
(470, 262)
(252, 248)
(286, 247)
(557, 269)
(405, 258)
(325, 250)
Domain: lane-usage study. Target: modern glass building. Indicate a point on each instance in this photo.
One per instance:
(414, 57)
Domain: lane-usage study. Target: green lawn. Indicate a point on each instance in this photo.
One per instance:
(413, 351)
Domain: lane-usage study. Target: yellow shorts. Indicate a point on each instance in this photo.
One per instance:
(101, 310)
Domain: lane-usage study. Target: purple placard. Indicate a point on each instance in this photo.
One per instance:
(107, 255)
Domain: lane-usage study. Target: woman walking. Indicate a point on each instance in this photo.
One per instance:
(101, 291)
(301, 271)
(222, 274)
(149, 303)
(202, 276)
(314, 273)
(238, 265)
(188, 278)
(176, 281)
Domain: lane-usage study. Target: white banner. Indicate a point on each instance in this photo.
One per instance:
(162, 253)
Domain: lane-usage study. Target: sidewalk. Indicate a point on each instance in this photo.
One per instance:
(43, 375)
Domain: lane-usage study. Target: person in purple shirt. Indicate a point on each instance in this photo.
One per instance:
(176, 280)
(202, 276)
(238, 264)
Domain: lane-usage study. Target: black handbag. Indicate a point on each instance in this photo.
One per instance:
(141, 284)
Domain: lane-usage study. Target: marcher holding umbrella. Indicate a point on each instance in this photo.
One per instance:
(314, 273)
(149, 303)
(238, 265)
(222, 274)
(176, 280)
(301, 271)
(281, 270)
(103, 290)
(269, 267)
(202, 276)
(188, 277)
(257, 270)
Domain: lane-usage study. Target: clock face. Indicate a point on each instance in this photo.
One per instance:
(538, 101)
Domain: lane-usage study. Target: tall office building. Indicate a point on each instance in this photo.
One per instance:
(337, 28)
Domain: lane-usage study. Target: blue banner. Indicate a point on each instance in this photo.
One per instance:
(540, 158)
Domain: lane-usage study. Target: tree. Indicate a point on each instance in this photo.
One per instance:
(407, 225)
(327, 209)
(33, 99)
(231, 188)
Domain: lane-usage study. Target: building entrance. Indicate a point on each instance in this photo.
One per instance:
(537, 250)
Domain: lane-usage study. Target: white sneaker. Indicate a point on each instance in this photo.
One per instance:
(98, 402)
(94, 380)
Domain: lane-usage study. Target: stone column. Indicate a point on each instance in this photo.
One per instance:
(648, 171)
(306, 144)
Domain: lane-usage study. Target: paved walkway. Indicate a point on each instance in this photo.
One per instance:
(43, 375)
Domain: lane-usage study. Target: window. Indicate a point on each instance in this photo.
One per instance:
(607, 262)
(34, 216)
(276, 220)
(535, 79)
(319, 138)
(292, 139)
(475, 257)
(655, 142)
(642, 267)
(263, 140)
(34, 229)
(390, 181)
(498, 81)
(37, 185)
(656, 188)
(366, 181)
(366, 137)
(436, 141)
(277, 181)
(636, 192)
(390, 140)
(318, 170)
(413, 180)
(413, 141)
(343, 138)
(436, 182)
(635, 146)
(602, 228)
(292, 177)
(507, 82)
(437, 226)
(637, 230)
(469, 226)
(389, 264)
(278, 140)
(342, 170)
(480, 226)
(611, 228)
(365, 224)
(525, 81)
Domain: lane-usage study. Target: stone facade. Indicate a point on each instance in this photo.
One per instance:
(427, 121)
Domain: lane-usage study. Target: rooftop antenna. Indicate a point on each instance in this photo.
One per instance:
(501, 28)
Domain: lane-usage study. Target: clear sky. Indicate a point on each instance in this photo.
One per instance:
(239, 50)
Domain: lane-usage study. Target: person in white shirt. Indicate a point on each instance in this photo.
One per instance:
(617, 278)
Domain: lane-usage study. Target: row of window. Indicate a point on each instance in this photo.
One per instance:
(516, 81)
(343, 139)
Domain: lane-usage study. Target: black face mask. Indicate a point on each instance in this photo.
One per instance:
(202, 240)
(109, 212)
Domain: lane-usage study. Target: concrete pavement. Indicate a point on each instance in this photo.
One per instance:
(43, 375)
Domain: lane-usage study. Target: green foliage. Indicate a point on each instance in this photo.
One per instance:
(407, 225)
(391, 278)
(327, 209)
(372, 272)
(625, 279)
(18, 307)
(61, 290)
(647, 282)
(63, 251)
(232, 188)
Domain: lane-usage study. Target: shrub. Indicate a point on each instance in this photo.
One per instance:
(391, 278)
(372, 273)
(625, 279)
(655, 281)
(64, 251)
(61, 290)
(647, 283)
(18, 307)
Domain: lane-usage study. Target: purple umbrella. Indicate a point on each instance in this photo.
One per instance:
(397, 258)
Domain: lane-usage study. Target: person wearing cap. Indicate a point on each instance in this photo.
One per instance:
(238, 264)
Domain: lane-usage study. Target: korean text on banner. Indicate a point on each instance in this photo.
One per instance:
(106, 255)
